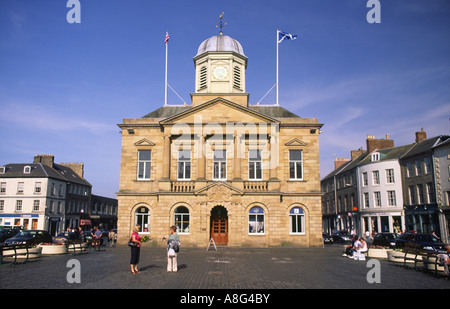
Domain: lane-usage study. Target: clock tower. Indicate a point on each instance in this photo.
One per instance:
(220, 66)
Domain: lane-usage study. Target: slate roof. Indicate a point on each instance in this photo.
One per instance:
(271, 111)
(39, 170)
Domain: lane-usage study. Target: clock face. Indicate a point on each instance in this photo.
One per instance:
(220, 72)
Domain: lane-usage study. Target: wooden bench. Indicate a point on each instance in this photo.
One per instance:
(426, 258)
(76, 246)
(20, 254)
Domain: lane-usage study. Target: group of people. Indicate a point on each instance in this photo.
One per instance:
(173, 246)
(356, 249)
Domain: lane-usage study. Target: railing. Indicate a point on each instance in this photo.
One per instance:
(256, 186)
(182, 186)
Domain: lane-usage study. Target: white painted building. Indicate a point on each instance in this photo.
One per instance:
(34, 195)
(380, 191)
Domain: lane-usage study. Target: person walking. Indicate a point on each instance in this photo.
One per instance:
(173, 245)
(135, 249)
(111, 238)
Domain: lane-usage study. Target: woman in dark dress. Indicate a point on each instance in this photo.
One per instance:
(135, 250)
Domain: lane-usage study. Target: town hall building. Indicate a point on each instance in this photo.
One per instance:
(221, 168)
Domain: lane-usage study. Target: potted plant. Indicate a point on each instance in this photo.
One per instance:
(53, 248)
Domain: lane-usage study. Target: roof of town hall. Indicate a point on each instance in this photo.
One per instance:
(274, 111)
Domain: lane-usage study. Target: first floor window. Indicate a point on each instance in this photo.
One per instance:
(390, 176)
(412, 196)
(377, 199)
(295, 165)
(142, 218)
(184, 164)
(254, 165)
(391, 198)
(19, 205)
(36, 205)
(144, 164)
(256, 221)
(220, 165)
(366, 200)
(297, 221)
(182, 220)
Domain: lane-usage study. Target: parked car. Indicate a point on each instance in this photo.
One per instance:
(8, 233)
(426, 242)
(327, 239)
(385, 239)
(29, 237)
(339, 236)
(65, 236)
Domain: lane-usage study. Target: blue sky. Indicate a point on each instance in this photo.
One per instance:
(65, 87)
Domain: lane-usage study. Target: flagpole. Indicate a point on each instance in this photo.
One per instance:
(277, 66)
(165, 83)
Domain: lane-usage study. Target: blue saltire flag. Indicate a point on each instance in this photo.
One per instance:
(285, 36)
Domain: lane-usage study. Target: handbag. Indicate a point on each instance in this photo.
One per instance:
(131, 244)
(171, 252)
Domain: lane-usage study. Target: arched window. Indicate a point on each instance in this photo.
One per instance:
(142, 218)
(182, 220)
(256, 220)
(297, 221)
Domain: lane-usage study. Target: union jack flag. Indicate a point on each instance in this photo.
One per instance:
(167, 38)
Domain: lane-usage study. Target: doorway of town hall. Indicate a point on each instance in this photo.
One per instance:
(219, 225)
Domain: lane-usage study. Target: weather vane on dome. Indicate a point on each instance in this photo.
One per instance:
(221, 23)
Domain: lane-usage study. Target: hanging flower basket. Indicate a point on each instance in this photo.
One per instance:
(53, 248)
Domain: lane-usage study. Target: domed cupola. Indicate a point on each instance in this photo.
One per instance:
(220, 43)
(220, 66)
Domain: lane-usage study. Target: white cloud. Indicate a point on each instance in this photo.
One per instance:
(45, 118)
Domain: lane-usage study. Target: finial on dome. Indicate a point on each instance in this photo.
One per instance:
(221, 23)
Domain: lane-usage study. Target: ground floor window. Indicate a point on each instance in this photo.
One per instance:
(297, 221)
(182, 220)
(142, 218)
(256, 221)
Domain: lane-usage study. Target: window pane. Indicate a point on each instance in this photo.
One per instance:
(251, 171)
(299, 170)
(184, 155)
(180, 170)
(144, 155)
(258, 170)
(220, 155)
(295, 155)
(254, 155)
(292, 170)
(141, 170)
(187, 170)
(147, 170)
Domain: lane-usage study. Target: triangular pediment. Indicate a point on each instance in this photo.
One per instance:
(295, 142)
(218, 187)
(144, 142)
(219, 110)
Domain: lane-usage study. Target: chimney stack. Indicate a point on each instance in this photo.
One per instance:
(44, 159)
(373, 144)
(338, 162)
(420, 136)
(78, 168)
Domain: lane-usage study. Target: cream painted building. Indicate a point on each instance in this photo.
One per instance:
(221, 168)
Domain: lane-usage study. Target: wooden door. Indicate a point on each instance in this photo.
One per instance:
(219, 231)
